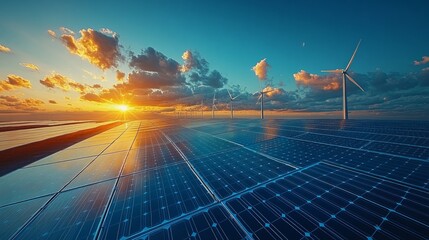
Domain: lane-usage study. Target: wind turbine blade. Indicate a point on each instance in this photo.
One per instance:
(333, 71)
(353, 56)
(215, 107)
(214, 96)
(353, 81)
(256, 93)
(237, 96)
(230, 96)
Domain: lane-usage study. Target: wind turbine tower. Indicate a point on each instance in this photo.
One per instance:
(345, 75)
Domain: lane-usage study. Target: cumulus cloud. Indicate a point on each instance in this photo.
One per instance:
(4, 49)
(55, 80)
(261, 69)
(328, 82)
(98, 48)
(52, 102)
(13, 82)
(199, 72)
(143, 79)
(272, 91)
(13, 102)
(120, 76)
(30, 66)
(67, 31)
(425, 59)
(193, 61)
(52, 34)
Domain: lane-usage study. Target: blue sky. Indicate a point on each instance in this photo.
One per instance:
(231, 36)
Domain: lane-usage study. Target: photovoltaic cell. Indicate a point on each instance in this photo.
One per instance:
(203, 145)
(44, 180)
(147, 199)
(339, 141)
(215, 223)
(246, 137)
(296, 152)
(234, 171)
(398, 149)
(72, 214)
(152, 156)
(104, 167)
(14, 216)
(324, 202)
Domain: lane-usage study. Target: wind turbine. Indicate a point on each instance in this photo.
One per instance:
(202, 108)
(231, 100)
(261, 97)
(346, 74)
(214, 104)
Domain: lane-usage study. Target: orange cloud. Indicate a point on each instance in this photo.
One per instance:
(96, 47)
(65, 30)
(64, 83)
(424, 60)
(12, 102)
(260, 69)
(13, 82)
(4, 49)
(52, 33)
(188, 59)
(120, 76)
(30, 66)
(52, 102)
(271, 92)
(329, 82)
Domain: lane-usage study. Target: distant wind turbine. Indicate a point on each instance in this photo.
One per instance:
(261, 98)
(231, 100)
(346, 74)
(214, 104)
(202, 108)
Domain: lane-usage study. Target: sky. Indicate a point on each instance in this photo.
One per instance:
(166, 56)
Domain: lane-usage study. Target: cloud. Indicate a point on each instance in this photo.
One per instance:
(199, 72)
(98, 48)
(261, 69)
(67, 31)
(30, 66)
(328, 82)
(193, 61)
(214, 79)
(271, 91)
(425, 59)
(142, 79)
(120, 76)
(13, 82)
(52, 34)
(52, 102)
(4, 49)
(151, 60)
(13, 102)
(55, 80)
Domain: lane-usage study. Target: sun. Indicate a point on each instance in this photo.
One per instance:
(123, 108)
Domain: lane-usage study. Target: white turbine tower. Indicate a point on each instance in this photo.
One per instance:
(231, 100)
(214, 104)
(346, 74)
(261, 98)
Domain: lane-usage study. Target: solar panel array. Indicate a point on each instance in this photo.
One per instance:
(222, 179)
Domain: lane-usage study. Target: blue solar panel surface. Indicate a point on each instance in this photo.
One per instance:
(227, 179)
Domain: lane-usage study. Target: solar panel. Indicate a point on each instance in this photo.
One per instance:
(72, 214)
(330, 203)
(222, 179)
(233, 171)
(14, 216)
(215, 223)
(147, 199)
(398, 149)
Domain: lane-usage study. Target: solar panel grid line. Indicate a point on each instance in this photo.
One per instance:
(206, 186)
(109, 201)
(366, 150)
(372, 201)
(37, 213)
(333, 186)
(259, 153)
(405, 184)
(340, 131)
